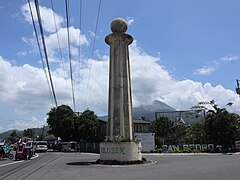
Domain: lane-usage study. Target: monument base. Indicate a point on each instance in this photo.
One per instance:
(125, 152)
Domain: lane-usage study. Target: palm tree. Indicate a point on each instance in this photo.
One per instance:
(220, 126)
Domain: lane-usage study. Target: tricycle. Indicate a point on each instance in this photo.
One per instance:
(20, 151)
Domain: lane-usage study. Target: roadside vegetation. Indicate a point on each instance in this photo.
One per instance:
(219, 127)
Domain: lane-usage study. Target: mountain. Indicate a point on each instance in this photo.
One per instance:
(147, 111)
(38, 132)
(6, 134)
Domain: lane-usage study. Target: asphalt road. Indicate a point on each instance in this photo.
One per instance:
(71, 166)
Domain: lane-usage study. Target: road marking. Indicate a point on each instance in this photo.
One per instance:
(36, 155)
(10, 163)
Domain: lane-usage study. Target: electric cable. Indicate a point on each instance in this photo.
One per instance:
(45, 50)
(69, 52)
(39, 48)
(79, 52)
(93, 47)
(59, 46)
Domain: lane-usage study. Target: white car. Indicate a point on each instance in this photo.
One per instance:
(41, 146)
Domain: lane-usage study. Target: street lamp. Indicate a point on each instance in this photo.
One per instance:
(238, 88)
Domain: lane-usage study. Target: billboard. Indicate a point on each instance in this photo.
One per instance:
(147, 141)
(182, 117)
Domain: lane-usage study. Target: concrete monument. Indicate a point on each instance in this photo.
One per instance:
(120, 97)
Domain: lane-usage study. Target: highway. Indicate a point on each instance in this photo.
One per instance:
(71, 166)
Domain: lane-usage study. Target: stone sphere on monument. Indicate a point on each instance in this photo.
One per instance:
(119, 25)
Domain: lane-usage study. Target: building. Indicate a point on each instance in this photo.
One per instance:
(139, 126)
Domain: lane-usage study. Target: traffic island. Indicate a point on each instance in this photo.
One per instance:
(120, 153)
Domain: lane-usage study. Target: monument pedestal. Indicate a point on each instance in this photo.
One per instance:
(120, 151)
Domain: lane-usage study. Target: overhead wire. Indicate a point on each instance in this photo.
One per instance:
(45, 50)
(93, 47)
(79, 52)
(59, 46)
(69, 52)
(39, 47)
(56, 31)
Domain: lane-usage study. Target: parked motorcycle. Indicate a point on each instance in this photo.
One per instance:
(5, 152)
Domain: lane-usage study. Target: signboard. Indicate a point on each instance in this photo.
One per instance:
(197, 147)
(147, 141)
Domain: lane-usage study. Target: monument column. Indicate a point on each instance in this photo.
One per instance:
(120, 98)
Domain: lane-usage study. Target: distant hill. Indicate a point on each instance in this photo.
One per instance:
(6, 134)
(147, 111)
(38, 132)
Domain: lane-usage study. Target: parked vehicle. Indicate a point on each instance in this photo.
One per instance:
(55, 145)
(20, 151)
(70, 146)
(28, 150)
(41, 146)
(5, 151)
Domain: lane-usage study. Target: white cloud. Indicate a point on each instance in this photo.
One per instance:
(25, 88)
(214, 65)
(130, 20)
(52, 41)
(34, 122)
(22, 53)
(230, 58)
(52, 37)
(204, 71)
(47, 22)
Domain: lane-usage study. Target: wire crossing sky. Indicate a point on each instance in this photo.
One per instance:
(184, 52)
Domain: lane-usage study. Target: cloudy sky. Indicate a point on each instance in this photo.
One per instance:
(183, 52)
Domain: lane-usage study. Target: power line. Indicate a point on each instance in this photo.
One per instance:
(79, 50)
(95, 33)
(39, 48)
(94, 40)
(45, 50)
(59, 46)
(69, 52)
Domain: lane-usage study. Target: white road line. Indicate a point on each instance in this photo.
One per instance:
(36, 155)
(11, 163)
(17, 161)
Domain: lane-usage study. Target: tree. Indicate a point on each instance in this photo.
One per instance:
(64, 123)
(61, 122)
(13, 137)
(221, 127)
(196, 133)
(163, 129)
(86, 126)
(28, 133)
(50, 137)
